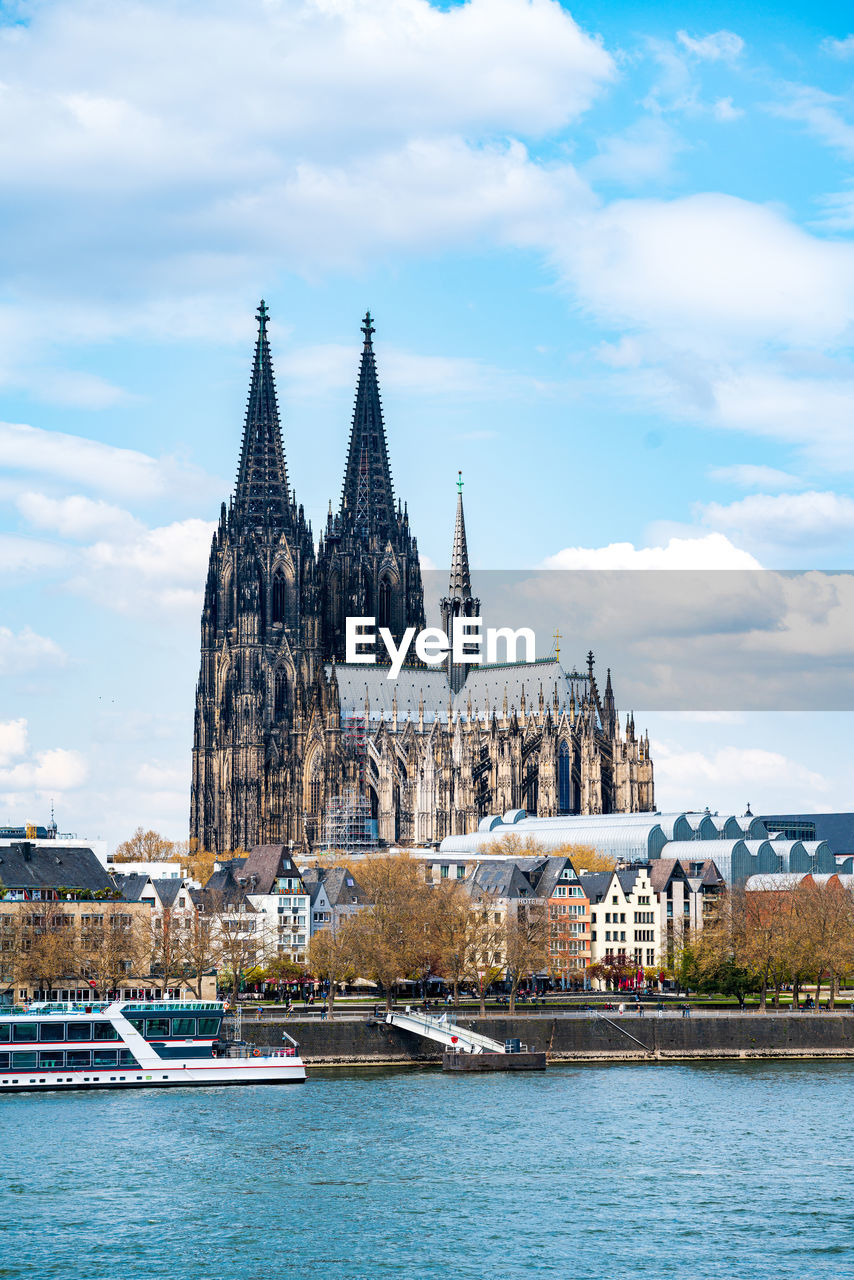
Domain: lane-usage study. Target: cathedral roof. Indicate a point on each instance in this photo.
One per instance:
(485, 688)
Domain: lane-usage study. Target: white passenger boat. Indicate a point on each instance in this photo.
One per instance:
(131, 1044)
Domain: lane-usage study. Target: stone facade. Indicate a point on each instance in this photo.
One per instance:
(283, 726)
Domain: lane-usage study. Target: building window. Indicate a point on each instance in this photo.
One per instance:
(563, 778)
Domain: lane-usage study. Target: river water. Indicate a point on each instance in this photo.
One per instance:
(739, 1171)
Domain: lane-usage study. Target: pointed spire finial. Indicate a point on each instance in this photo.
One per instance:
(262, 490)
(460, 585)
(368, 492)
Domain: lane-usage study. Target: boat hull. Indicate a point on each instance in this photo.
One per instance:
(225, 1071)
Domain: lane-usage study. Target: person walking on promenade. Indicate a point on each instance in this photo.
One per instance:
(660, 1009)
(640, 1009)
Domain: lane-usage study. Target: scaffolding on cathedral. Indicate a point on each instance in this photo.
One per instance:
(347, 822)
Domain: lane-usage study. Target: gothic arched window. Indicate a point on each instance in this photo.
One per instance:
(262, 603)
(564, 794)
(384, 612)
(315, 787)
(228, 602)
(280, 695)
(279, 596)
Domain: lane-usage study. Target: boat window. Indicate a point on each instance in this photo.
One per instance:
(138, 1024)
(25, 1031)
(126, 1059)
(105, 1031)
(78, 1058)
(5, 1032)
(208, 1026)
(25, 1061)
(183, 1026)
(51, 1031)
(51, 1059)
(79, 1031)
(4, 1061)
(106, 1057)
(157, 1027)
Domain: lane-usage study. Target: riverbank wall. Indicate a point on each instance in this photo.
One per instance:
(577, 1038)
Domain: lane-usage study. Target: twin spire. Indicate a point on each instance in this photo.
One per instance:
(367, 499)
(262, 479)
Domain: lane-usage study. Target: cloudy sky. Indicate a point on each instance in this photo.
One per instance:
(608, 251)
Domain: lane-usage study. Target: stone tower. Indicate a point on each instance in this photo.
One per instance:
(368, 560)
(260, 640)
(459, 602)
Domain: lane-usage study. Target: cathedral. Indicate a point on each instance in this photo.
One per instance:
(288, 736)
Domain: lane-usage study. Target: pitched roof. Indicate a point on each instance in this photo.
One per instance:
(342, 889)
(132, 886)
(168, 890)
(596, 884)
(26, 866)
(265, 864)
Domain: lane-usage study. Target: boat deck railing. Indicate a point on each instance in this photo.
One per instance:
(39, 1009)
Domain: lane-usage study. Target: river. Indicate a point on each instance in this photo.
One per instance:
(735, 1170)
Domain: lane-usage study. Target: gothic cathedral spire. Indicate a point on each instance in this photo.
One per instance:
(460, 585)
(459, 603)
(367, 500)
(262, 492)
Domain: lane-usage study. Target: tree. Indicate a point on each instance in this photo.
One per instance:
(485, 950)
(111, 945)
(526, 944)
(391, 937)
(454, 932)
(146, 846)
(166, 947)
(332, 957)
(199, 948)
(826, 915)
(241, 941)
(48, 945)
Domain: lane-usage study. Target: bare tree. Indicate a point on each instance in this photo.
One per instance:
(526, 944)
(332, 956)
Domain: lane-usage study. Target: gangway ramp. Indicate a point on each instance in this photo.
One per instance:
(455, 1038)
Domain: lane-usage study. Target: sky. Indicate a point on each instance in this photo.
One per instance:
(609, 257)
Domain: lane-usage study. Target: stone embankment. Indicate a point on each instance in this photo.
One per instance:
(578, 1037)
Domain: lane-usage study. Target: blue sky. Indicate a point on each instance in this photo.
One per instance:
(608, 251)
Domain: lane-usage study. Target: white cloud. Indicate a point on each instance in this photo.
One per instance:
(724, 111)
(14, 740)
(644, 152)
(49, 771)
(709, 551)
(76, 516)
(795, 521)
(839, 48)
(817, 112)
(711, 269)
(26, 651)
(87, 462)
(335, 365)
(28, 555)
(155, 571)
(726, 778)
(749, 476)
(92, 464)
(721, 46)
(21, 769)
